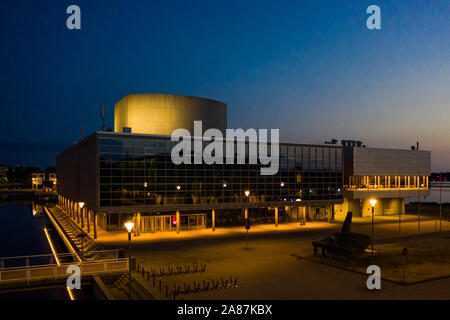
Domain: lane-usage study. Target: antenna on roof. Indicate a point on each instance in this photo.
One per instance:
(81, 132)
(102, 116)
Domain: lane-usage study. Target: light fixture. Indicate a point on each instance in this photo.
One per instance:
(282, 184)
(373, 202)
(81, 204)
(178, 187)
(224, 185)
(298, 200)
(247, 193)
(145, 184)
(129, 225)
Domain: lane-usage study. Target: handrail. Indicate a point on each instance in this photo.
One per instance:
(64, 264)
(54, 271)
(61, 255)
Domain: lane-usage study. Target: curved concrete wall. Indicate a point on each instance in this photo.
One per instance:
(163, 113)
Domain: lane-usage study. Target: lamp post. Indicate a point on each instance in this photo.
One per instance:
(440, 209)
(81, 204)
(372, 203)
(419, 185)
(129, 226)
(246, 220)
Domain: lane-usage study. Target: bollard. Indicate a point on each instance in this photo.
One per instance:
(148, 276)
(404, 253)
(154, 279)
(159, 285)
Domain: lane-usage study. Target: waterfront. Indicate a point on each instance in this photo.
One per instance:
(25, 236)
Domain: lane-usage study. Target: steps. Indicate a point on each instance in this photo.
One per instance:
(71, 230)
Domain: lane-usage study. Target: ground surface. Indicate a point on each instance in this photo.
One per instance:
(270, 269)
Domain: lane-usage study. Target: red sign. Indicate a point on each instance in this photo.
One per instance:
(174, 220)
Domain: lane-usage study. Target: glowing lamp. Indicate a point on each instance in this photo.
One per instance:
(247, 193)
(282, 184)
(373, 202)
(81, 204)
(178, 187)
(129, 226)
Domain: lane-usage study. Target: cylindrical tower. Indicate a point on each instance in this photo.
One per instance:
(163, 113)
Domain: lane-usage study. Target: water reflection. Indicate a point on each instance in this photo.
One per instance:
(23, 234)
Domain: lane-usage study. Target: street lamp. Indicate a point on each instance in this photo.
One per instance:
(247, 193)
(129, 226)
(81, 204)
(372, 203)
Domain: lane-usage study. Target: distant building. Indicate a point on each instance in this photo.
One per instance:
(3, 171)
(42, 179)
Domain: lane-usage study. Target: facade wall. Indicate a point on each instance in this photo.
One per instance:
(389, 162)
(162, 113)
(76, 169)
(136, 173)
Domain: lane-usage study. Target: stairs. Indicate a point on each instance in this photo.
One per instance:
(71, 230)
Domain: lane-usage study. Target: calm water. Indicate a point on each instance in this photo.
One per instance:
(434, 197)
(23, 234)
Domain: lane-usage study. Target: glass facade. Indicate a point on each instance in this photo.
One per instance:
(137, 171)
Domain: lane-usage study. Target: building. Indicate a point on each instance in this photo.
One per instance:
(128, 174)
(40, 180)
(3, 170)
(387, 175)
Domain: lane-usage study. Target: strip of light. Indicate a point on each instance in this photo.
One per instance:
(51, 246)
(72, 297)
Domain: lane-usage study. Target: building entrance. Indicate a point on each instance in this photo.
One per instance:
(169, 223)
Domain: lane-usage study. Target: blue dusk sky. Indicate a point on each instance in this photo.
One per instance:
(310, 68)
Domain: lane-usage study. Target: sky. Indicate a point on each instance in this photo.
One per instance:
(310, 68)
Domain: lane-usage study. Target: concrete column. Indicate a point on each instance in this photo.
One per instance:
(82, 217)
(329, 214)
(304, 215)
(88, 217)
(95, 225)
(178, 221)
(276, 216)
(213, 218)
(138, 220)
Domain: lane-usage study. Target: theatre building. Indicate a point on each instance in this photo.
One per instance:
(128, 174)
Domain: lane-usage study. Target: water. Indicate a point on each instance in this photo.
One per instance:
(23, 234)
(434, 197)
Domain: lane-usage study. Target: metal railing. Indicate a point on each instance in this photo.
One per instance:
(102, 262)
